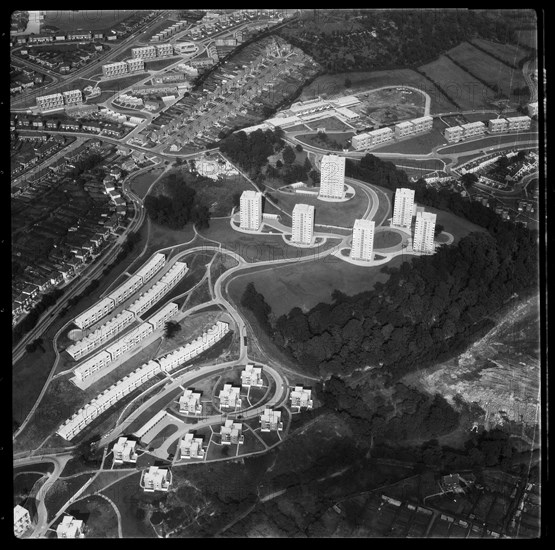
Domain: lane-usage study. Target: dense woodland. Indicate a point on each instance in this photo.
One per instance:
(177, 205)
(428, 310)
(358, 40)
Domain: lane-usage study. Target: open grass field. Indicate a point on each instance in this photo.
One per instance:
(385, 239)
(159, 64)
(93, 20)
(339, 139)
(426, 165)
(257, 248)
(99, 517)
(116, 85)
(307, 284)
(468, 92)
(330, 123)
(140, 184)
(342, 214)
(509, 52)
(458, 227)
(62, 491)
(331, 85)
(487, 68)
(528, 37)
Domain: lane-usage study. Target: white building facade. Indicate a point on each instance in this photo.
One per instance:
(403, 207)
(362, 245)
(424, 228)
(332, 180)
(303, 223)
(250, 210)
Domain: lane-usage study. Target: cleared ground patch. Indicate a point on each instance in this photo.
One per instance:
(307, 284)
(333, 85)
(467, 91)
(509, 52)
(489, 69)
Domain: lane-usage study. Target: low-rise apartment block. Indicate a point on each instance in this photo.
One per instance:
(189, 402)
(21, 520)
(251, 376)
(518, 123)
(146, 52)
(232, 433)
(70, 528)
(156, 479)
(473, 129)
(95, 313)
(73, 97)
(124, 451)
(163, 50)
(270, 420)
(50, 102)
(230, 397)
(403, 129)
(453, 134)
(191, 447)
(134, 65)
(115, 69)
(300, 398)
(497, 125)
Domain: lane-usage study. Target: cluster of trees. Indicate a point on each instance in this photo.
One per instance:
(402, 37)
(31, 319)
(178, 205)
(85, 164)
(289, 171)
(255, 301)
(171, 328)
(428, 309)
(405, 414)
(251, 151)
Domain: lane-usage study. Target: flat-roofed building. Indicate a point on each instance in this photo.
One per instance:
(422, 124)
(303, 223)
(533, 109)
(185, 48)
(250, 213)
(124, 451)
(362, 141)
(165, 314)
(424, 228)
(134, 65)
(301, 398)
(270, 421)
(94, 313)
(156, 479)
(381, 135)
(230, 397)
(403, 207)
(472, 129)
(70, 528)
(362, 245)
(115, 69)
(92, 365)
(332, 177)
(155, 264)
(145, 52)
(21, 520)
(232, 433)
(50, 102)
(163, 50)
(453, 134)
(126, 289)
(251, 376)
(129, 340)
(191, 446)
(189, 402)
(496, 125)
(518, 123)
(403, 129)
(73, 97)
